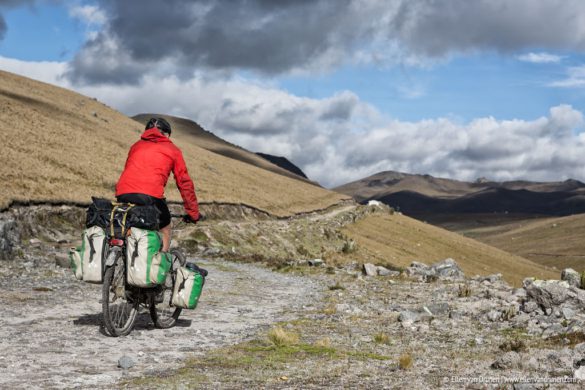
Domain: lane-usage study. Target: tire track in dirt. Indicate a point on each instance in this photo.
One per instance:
(53, 339)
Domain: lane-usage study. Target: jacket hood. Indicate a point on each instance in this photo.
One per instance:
(154, 135)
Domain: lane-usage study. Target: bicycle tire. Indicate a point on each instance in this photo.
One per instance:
(119, 319)
(163, 314)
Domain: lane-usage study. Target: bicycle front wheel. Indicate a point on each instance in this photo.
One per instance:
(119, 312)
(163, 314)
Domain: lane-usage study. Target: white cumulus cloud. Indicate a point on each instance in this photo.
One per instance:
(342, 138)
(540, 58)
(90, 14)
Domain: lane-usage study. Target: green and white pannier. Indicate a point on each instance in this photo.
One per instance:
(87, 261)
(188, 287)
(146, 265)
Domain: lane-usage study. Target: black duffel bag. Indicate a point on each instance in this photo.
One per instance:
(143, 217)
(99, 213)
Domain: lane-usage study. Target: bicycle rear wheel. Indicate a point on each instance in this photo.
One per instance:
(163, 314)
(119, 313)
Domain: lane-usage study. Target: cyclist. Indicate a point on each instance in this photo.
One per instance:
(148, 166)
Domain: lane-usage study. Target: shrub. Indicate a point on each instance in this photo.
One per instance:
(405, 361)
(349, 246)
(381, 338)
(336, 286)
(464, 290)
(516, 345)
(281, 338)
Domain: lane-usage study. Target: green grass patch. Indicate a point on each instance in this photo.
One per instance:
(573, 338)
(257, 360)
(515, 333)
(199, 236)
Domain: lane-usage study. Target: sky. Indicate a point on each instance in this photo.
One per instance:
(343, 88)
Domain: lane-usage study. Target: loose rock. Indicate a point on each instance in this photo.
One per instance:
(506, 361)
(370, 269)
(315, 262)
(126, 362)
(572, 277)
(547, 293)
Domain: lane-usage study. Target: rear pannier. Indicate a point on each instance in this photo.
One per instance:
(146, 264)
(98, 213)
(188, 286)
(92, 254)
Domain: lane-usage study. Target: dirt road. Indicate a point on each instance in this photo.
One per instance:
(51, 336)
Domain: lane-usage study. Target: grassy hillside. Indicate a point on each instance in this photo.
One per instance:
(555, 242)
(207, 140)
(398, 240)
(62, 146)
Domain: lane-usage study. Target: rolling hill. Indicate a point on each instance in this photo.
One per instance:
(209, 141)
(61, 146)
(551, 242)
(424, 195)
(397, 240)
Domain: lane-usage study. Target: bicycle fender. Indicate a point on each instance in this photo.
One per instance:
(112, 256)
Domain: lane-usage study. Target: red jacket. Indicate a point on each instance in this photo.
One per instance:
(148, 166)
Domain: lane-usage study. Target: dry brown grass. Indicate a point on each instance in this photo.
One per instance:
(282, 338)
(62, 146)
(551, 242)
(398, 240)
(405, 361)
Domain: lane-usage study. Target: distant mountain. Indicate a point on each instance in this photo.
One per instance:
(284, 163)
(207, 140)
(425, 194)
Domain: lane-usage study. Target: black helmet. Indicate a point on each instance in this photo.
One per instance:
(159, 123)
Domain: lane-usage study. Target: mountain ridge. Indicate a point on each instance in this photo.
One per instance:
(418, 194)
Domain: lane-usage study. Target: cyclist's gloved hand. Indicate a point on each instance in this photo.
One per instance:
(188, 219)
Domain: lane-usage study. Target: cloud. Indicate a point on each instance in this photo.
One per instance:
(269, 37)
(342, 138)
(90, 14)
(540, 58)
(263, 118)
(437, 28)
(575, 78)
(47, 71)
(183, 36)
